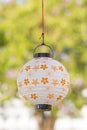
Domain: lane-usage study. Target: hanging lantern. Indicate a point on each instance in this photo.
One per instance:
(43, 81)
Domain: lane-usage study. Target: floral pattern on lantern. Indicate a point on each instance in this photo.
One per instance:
(43, 80)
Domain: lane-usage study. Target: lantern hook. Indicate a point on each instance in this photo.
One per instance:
(43, 44)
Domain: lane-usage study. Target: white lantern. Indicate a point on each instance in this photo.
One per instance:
(43, 81)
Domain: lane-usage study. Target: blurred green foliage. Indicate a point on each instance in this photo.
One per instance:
(65, 31)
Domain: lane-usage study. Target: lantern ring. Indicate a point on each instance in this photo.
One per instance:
(52, 51)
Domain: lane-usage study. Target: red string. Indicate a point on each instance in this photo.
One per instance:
(43, 18)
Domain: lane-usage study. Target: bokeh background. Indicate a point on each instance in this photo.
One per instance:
(66, 32)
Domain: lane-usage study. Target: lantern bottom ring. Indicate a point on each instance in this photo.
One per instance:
(43, 107)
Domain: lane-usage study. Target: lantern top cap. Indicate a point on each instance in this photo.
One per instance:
(37, 55)
(43, 54)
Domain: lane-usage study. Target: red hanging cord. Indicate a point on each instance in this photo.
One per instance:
(42, 21)
(42, 16)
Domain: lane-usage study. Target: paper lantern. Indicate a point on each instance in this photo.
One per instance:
(43, 81)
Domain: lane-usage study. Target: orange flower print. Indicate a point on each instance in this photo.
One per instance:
(60, 97)
(54, 68)
(44, 80)
(25, 97)
(36, 67)
(44, 67)
(34, 96)
(30, 74)
(26, 81)
(48, 88)
(20, 84)
(55, 82)
(63, 81)
(47, 102)
(30, 89)
(37, 59)
(63, 90)
(61, 68)
(50, 96)
(46, 58)
(27, 68)
(68, 85)
(35, 82)
(49, 73)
